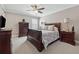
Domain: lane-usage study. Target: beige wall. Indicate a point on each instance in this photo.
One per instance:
(13, 20)
(72, 13)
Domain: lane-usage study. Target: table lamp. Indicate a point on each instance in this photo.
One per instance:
(67, 21)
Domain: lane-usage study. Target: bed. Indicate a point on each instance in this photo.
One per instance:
(35, 36)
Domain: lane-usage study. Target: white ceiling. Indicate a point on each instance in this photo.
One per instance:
(49, 8)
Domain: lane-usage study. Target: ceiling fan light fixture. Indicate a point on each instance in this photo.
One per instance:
(36, 11)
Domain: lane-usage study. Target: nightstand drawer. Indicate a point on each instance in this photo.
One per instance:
(70, 42)
(68, 36)
(67, 39)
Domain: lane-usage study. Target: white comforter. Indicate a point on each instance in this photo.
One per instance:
(49, 36)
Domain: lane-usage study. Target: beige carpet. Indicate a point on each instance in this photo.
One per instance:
(22, 46)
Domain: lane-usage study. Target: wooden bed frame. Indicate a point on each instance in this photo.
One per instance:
(35, 36)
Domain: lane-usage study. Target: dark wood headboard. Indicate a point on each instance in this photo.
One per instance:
(58, 25)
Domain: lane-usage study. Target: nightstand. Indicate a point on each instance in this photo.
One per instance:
(68, 37)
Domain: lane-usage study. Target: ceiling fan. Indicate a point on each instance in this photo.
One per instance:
(36, 8)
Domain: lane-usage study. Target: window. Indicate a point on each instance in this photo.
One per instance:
(35, 24)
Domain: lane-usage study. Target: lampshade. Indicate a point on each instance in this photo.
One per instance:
(66, 20)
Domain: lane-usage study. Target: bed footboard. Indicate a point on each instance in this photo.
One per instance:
(35, 37)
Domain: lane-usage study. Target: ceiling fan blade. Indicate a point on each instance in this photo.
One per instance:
(28, 10)
(40, 12)
(41, 8)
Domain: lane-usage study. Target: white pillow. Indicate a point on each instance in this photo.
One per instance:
(56, 29)
(51, 27)
(44, 27)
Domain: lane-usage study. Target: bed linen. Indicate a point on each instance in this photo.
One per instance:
(48, 37)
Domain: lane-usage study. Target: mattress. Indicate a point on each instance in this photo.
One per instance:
(56, 48)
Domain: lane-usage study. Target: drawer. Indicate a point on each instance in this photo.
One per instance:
(25, 25)
(67, 39)
(69, 42)
(68, 36)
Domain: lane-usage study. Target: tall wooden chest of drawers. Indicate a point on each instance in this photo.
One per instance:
(23, 29)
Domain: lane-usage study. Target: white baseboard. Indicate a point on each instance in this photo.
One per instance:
(77, 42)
